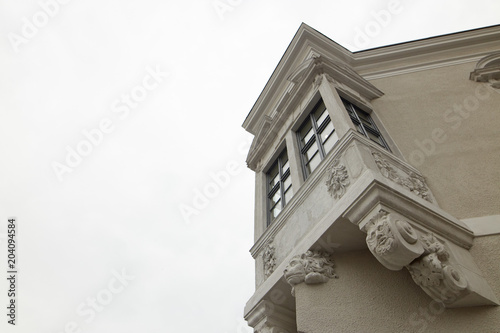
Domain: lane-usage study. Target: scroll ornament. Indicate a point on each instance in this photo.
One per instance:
(435, 274)
(393, 242)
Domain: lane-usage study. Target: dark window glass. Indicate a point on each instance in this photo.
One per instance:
(364, 123)
(279, 186)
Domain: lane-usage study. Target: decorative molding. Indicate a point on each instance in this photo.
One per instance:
(269, 259)
(268, 317)
(393, 242)
(312, 267)
(337, 179)
(411, 181)
(488, 70)
(436, 275)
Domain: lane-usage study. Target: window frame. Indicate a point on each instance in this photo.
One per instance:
(278, 186)
(354, 112)
(315, 139)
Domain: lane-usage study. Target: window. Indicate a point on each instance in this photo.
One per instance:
(279, 186)
(364, 123)
(316, 137)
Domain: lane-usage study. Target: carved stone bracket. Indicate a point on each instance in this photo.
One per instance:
(337, 179)
(312, 267)
(392, 241)
(396, 243)
(436, 275)
(411, 181)
(269, 259)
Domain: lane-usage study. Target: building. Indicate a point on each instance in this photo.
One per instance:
(377, 187)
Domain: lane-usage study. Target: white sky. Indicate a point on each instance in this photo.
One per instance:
(119, 208)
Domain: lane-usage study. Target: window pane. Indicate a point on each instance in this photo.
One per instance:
(326, 132)
(360, 129)
(363, 115)
(288, 195)
(320, 117)
(311, 151)
(275, 211)
(348, 107)
(313, 163)
(285, 167)
(275, 198)
(332, 139)
(374, 137)
(306, 133)
(287, 183)
(274, 181)
(366, 123)
(273, 175)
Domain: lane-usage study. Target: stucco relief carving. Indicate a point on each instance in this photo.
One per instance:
(393, 242)
(337, 179)
(312, 267)
(435, 274)
(413, 182)
(269, 259)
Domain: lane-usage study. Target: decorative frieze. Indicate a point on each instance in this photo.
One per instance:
(436, 275)
(269, 259)
(411, 181)
(312, 267)
(337, 179)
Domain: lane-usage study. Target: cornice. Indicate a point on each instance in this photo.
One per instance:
(373, 63)
(303, 39)
(420, 48)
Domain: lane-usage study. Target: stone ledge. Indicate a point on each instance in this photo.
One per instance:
(484, 225)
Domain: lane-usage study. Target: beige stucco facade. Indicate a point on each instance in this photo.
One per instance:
(398, 239)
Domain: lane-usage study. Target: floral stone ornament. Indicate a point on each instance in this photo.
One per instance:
(337, 179)
(269, 259)
(312, 267)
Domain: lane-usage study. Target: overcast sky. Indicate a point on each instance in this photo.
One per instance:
(122, 151)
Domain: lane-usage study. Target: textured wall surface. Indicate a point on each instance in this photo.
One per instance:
(462, 165)
(370, 298)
